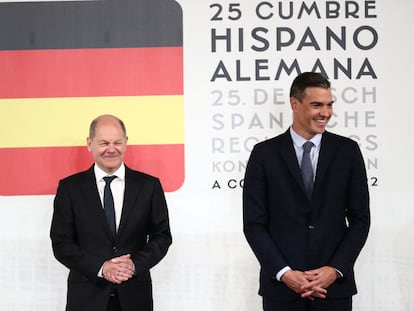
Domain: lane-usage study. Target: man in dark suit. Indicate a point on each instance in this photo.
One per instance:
(307, 236)
(109, 266)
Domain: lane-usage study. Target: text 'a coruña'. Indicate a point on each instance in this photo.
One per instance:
(232, 183)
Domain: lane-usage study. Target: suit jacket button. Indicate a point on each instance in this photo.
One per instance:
(311, 227)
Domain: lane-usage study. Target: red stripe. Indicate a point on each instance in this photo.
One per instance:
(91, 72)
(36, 171)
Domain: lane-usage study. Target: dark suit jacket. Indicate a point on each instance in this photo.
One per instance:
(285, 229)
(82, 242)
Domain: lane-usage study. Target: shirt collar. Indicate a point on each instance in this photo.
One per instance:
(100, 174)
(299, 140)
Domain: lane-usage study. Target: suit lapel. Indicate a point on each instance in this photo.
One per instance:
(289, 157)
(326, 154)
(93, 201)
(132, 185)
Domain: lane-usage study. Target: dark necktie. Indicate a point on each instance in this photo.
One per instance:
(306, 168)
(108, 204)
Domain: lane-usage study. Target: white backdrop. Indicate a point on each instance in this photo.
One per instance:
(209, 265)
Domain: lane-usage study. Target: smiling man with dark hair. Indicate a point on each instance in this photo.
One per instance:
(306, 207)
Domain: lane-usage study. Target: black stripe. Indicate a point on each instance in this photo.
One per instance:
(90, 24)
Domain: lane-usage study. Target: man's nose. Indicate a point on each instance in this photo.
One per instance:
(111, 147)
(325, 111)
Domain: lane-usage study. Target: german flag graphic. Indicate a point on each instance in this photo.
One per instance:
(64, 63)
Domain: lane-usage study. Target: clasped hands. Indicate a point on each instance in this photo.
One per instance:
(310, 284)
(118, 269)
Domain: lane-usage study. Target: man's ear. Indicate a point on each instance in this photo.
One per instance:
(293, 103)
(88, 143)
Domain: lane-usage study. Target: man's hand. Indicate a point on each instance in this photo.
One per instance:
(118, 269)
(295, 280)
(318, 282)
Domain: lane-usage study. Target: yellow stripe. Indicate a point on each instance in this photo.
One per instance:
(46, 122)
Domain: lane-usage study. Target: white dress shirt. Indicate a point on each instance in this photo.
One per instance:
(117, 188)
(298, 142)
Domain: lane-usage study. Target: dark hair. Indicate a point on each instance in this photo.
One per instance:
(92, 127)
(307, 79)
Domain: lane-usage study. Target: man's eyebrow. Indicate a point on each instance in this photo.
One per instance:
(108, 141)
(321, 103)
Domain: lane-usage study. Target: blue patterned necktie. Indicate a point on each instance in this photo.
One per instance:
(108, 204)
(306, 168)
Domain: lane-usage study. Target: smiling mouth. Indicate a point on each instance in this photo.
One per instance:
(111, 157)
